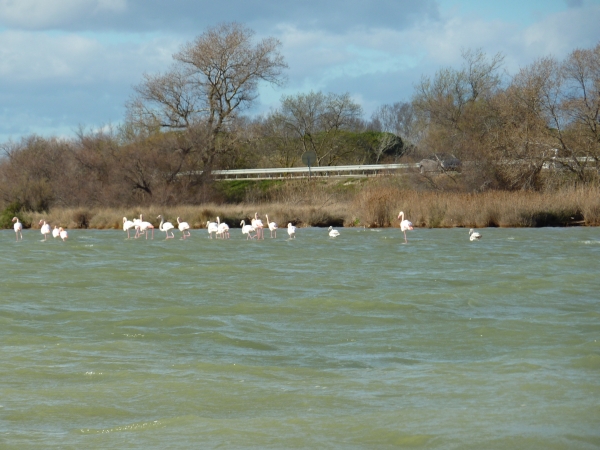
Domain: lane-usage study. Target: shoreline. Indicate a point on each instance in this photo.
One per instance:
(369, 209)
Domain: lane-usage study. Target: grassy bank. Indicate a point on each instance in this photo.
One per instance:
(370, 203)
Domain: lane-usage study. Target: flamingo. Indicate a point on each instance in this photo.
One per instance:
(222, 229)
(55, 232)
(405, 225)
(18, 228)
(333, 233)
(143, 227)
(127, 225)
(45, 230)
(137, 223)
(166, 227)
(212, 227)
(247, 230)
(183, 227)
(272, 226)
(63, 233)
(291, 231)
(258, 226)
(474, 235)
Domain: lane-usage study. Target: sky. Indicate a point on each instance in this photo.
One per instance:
(67, 65)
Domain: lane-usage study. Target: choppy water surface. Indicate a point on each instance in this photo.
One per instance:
(357, 342)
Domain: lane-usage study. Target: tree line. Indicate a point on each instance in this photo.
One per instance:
(192, 119)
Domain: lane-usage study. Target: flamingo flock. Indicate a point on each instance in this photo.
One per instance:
(220, 230)
(44, 229)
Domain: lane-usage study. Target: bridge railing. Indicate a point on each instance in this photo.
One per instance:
(363, 170)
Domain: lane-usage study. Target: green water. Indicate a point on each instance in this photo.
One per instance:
(355, 342)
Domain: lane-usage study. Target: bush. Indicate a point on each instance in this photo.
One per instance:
(12, 210)
(82, 218)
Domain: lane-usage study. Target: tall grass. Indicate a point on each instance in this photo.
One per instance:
(374, 204)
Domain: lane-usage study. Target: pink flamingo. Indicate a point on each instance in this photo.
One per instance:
(184, 228)
(474, 235)
(166, 227)
(136, 225)
(272, 226)
(63, 233)
(247, 230)
(212, 227)
(291, 229)
(145, 226)
(258, 226)
(128, 225)
(223, 229)
(45, 230)
(405, 225)
(18, 228)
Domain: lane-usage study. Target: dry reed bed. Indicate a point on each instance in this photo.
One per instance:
(374, 206)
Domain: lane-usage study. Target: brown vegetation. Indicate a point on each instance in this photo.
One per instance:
(371, 204)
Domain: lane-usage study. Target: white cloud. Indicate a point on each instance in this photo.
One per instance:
(44, 14)
(71, 58)
(560, 33)
(51, 84)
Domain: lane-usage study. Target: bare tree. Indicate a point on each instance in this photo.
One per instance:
(280, 141)
(443, 100)
(400, 119)
(581, 106)
(550, 119)
(212, 79)
(453, 108)
(38, 173)
(456, 114)
(318, 121)
(520, 143)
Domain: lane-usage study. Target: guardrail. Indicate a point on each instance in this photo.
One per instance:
(364, 170)
(361, 170)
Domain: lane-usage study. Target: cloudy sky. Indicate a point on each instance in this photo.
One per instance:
(66, 64)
